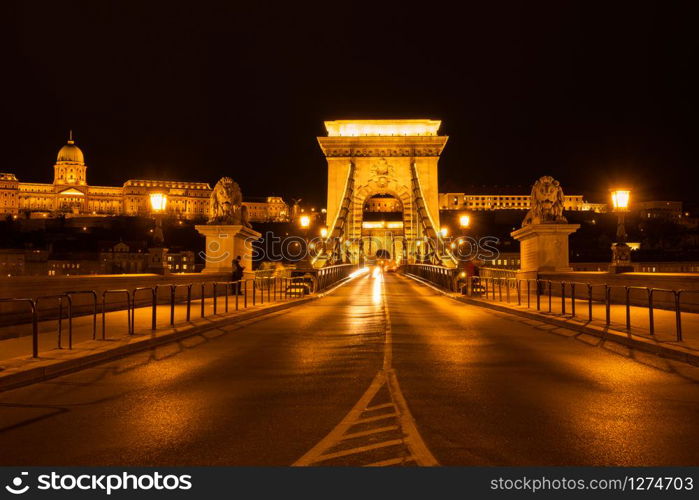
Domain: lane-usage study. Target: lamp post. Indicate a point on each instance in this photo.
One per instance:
(621, 252)
(157, 255)
(304, 223)
(464, 223)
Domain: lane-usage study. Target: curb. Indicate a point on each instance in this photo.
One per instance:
(676, 353)
(63, 367)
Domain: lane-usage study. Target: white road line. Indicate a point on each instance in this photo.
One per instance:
(378, 430)
(417, 446)
(361, 449)
(379, 407)
(392, 461)
(374, 419)
(335, 435)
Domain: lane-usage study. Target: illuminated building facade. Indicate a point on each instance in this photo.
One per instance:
(70, 194)
(464, 201)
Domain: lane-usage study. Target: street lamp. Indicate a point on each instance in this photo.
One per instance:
(464, 221)
(444, 232)
(305, 222)
(324, 232)
(158, 202)
(157, 255)
(621, 252)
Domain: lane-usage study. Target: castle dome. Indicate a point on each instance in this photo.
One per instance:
(70, 152)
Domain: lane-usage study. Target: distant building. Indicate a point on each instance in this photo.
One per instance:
(464, 201)
(270, 209)
(70, 195)
(20, 262)
(666, 210)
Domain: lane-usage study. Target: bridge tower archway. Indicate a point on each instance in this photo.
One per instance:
(371, 162)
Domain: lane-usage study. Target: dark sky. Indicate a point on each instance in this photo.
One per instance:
(592, 92)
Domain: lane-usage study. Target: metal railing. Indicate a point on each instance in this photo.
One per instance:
(35, 323)
(441, 276)
(328, 276)
(542, 294)
(235, 295)
(60, 298)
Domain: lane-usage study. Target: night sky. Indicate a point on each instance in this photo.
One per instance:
(591, 93)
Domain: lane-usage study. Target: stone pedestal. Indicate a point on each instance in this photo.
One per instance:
(157, 260)
(224, 243)
(621, 259)
(544, 247)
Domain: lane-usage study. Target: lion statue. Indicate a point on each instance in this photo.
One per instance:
(226, 204)
(546, 203)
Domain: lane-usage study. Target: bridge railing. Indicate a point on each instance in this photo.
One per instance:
(328, 276)
(441, 276)
(589, 301)
(572, 299)
(212, 298)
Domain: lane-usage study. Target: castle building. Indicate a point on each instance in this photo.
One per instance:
(70, 194)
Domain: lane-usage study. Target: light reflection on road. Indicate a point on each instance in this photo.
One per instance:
(377, 288)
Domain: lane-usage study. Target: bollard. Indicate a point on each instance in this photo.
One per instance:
(563, 298)
(35, 330)
(627, 290)
(550, 297)
(189, 301)
(651, 319)
(572, 300)
(70, 321)
(678, 314)
(607, 300)
(215, 297)
(154, 314)
(589, 301)
(172, 304)
(203, 290)
(60, 319)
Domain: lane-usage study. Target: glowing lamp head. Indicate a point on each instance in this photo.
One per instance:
(158, 202)
(465, 220)
(304, 221)
(444, 232)
(324, 232)
(620, 199)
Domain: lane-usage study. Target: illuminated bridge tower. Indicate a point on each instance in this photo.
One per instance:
(382, 189)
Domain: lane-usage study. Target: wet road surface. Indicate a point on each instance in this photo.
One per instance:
(382, 371)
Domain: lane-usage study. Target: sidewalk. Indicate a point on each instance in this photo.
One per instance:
(663, 319)
(663, 342)
(17, 367)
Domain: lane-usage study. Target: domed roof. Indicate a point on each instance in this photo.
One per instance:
(70, 152)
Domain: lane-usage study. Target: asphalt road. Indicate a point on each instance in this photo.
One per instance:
(380, 371)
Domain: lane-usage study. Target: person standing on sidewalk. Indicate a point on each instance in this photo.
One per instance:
(238, 272)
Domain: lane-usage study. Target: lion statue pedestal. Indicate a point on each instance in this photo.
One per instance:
(224, 243)
(228, 232)
(544, 234)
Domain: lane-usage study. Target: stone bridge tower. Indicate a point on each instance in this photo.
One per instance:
(382, 188)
